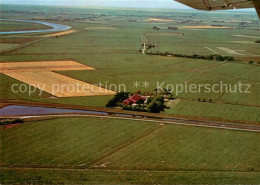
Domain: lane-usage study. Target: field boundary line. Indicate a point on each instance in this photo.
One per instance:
(118, 170)
(201, 70)
(122, 146)
(42, 38)
(210, 66)
(23, 45)
(224, 93)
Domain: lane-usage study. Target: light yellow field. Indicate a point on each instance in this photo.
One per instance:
(42, 66)
(41, 76)
(247, 36)
(159, 20)
(207, 27)
(59, 85)
(163, 34)
(60, 33)
(99, 28)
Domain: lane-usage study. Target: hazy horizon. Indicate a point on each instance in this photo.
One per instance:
(159, 4)
(145, 4)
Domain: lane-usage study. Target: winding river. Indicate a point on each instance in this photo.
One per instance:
(55, 27)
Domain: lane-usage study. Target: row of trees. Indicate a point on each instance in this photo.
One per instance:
(154, 103)
(196, 56)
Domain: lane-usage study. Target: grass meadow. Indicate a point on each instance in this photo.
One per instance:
(109, 150)
(19, 26)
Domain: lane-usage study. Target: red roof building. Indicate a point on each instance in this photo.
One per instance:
(134, 99)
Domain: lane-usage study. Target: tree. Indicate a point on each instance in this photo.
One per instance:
(171, 96)
(160, 102)
(166, 91)
(210, 57)
(153, 107)
(149, 100)
(228, 58)
(139, 102)
(219, 58)
(111, 103)
(121, 96)
(118, 98)
(138, 92)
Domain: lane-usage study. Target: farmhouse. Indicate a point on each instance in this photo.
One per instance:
(134, 99)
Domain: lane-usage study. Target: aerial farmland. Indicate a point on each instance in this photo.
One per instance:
(201, 68)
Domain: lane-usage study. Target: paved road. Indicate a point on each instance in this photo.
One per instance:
(187, 123)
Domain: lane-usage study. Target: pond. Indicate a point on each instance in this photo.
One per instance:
(21, 110)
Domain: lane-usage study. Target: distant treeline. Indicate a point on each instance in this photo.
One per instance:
(205, 57)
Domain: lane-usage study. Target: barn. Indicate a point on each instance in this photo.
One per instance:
(134, 99)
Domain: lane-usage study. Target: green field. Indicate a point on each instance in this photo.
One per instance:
(78, 140)
(111, 151)
(20, 26)
(214, 110)
(110, 147)
(114, 54)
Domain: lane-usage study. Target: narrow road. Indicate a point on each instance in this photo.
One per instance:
(224, 126)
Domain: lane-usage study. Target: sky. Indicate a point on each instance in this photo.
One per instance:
(148, 4)
(103, 3)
